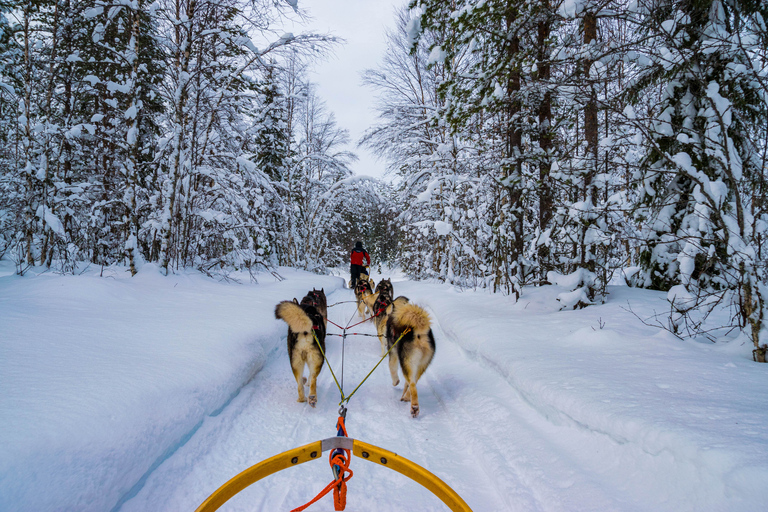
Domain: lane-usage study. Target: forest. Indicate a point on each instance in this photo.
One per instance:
(575, 142)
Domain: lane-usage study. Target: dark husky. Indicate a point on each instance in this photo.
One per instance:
(411, 325)
(317, 299)
(381, 301)
(306, 328)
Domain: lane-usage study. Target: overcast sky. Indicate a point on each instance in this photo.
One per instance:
(363, 24)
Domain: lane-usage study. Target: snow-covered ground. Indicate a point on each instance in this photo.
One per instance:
(147, 393)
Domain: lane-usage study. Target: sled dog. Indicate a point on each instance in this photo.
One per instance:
(371, 283)
(411, 325)
(363, 290)
(385, 285)
(305, 322)
(383, 316)
(362, 276)
(317, 298)
(380, 301)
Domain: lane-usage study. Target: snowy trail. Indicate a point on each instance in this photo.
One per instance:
(475, 432)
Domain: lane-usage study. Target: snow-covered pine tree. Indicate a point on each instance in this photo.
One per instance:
(587, 63)
(420, 150)
(270, 142)
(543, 92)
(31, 180)
(142, 59)
(34, 70)
(10, 56)
(513, 85)
(490, 35)
(214, 73)
(697, 177)
(320, 166)
(118, 54)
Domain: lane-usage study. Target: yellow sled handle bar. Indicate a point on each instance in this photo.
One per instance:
(312, 451)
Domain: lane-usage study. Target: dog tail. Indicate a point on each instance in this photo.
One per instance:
(411, 315)
(294, 316)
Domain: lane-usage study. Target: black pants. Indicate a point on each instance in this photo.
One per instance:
(354, 272)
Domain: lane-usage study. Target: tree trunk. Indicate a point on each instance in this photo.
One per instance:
(590, 136)
(752, 310)
(546, 201)
(132, 139)
(29, 172)
(178, 157)
(513, 169)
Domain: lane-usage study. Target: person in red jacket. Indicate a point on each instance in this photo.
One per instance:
(359, 260)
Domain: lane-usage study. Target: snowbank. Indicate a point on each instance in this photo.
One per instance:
(103, 377)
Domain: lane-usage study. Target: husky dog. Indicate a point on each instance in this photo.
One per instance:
(381, 301)
(317, 299)
(385, 285)
(410, 324)
(363, 291)
(382, 317)
(305, 323)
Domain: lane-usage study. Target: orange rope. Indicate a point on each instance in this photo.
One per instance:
(339, 485)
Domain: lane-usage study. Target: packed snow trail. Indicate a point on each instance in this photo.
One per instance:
(474, 432)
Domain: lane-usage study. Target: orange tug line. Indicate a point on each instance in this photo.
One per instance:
(340, 459)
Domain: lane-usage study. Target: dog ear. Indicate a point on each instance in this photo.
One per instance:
(295, 301)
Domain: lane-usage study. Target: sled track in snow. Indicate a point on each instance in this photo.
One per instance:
(552, 414)
(478, 441)
(496, 461)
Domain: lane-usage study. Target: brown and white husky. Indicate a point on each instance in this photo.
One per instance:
(409, 324)
(385, 286)
(363, 293)
(305, 323)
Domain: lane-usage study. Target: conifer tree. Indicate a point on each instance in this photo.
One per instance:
(701, 159)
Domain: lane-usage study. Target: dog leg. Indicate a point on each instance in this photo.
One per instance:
(414, 399)
(380, 333)
(313, 391)
(298, 370)
(315, 365)
(406, 397)
(361, 309)
(406, 382)
(393, 368)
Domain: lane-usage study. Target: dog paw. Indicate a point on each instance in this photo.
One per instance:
(312, 400)
(301, 399)
(396, 382)
(414, 411)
